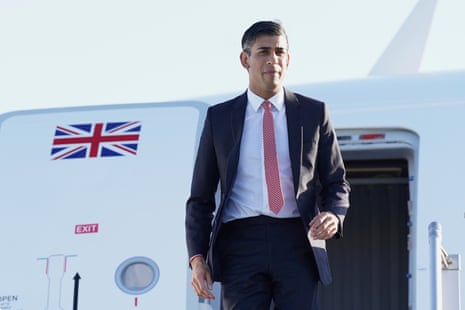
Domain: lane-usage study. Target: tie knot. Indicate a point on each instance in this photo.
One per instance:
(266, 105)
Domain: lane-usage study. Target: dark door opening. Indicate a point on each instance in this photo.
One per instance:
(370, 263)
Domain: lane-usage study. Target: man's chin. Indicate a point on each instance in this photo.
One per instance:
(276, 85)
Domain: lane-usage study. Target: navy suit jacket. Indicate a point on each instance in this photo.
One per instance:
(317, 169)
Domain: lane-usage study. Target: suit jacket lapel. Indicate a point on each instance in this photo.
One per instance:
(237, 124)
(237, 117)
(294, 131)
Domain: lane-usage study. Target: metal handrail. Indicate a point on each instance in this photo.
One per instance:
(445, 273)
(436, 259)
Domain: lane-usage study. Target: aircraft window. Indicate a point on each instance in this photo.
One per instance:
(137, 275)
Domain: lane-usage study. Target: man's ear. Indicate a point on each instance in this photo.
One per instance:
(244, 60)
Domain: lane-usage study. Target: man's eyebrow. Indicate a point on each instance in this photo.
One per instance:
(266, 48)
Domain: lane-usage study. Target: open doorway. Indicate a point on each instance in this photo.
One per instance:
(370, 263)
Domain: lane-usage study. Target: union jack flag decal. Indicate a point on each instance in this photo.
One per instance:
(96, 140)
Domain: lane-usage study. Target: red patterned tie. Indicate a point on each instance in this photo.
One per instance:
(275, 196)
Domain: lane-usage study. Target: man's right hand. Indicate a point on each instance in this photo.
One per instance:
(201, 278)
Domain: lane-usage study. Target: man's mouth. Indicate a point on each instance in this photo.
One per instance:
(271, 72)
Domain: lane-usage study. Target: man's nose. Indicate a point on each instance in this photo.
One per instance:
(273, 58)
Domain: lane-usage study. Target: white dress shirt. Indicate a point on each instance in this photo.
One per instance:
(249, 192)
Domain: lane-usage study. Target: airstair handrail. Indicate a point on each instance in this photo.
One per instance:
(435, 240)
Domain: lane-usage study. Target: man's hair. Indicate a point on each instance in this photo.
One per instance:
(270, 28)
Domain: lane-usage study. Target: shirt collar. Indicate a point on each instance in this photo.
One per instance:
(256, 101)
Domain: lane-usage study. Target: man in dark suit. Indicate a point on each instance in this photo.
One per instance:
(282, 183)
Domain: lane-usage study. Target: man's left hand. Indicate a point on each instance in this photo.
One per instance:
(324, 226)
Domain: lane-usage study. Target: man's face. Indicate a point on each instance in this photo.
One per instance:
(267, 65)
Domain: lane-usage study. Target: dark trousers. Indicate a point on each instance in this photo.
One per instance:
(265, 260)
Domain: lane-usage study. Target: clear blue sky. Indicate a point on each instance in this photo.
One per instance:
(57, 53)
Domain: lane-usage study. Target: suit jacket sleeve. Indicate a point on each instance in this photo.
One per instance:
(331, 171)
(200, 205)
